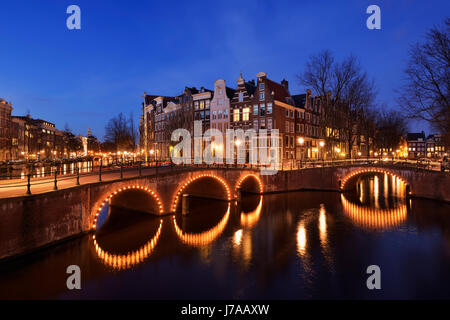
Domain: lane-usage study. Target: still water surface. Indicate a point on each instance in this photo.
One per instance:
(298, 245)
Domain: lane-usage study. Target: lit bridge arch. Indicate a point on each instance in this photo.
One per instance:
(109, 197)
(345, 181)
(191, 180)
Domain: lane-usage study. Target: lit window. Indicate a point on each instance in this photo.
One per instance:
(246, 114)
(236, 115)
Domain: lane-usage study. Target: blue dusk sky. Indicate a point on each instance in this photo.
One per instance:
(85, 77)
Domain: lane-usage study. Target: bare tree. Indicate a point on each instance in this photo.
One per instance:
(119, 131)
(74, 143)
(391, 127)
(426, 91)
(348, 95)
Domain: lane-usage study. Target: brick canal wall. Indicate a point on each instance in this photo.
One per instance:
(31, 222)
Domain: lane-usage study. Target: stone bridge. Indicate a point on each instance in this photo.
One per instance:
(30, 222)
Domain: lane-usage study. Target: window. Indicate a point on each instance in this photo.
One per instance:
(292, 142)
(286, 142)
(255, 124)
(261, 86)
(220, 91)
(220, 102)
(262, 109)
(292, 127)
(292, 114)
(269, 124)
(202, 105)
(241, 96)
(207, 104)
(261, 96)
(214, 114)
(255, 109)
(246, 114)
(287, 113)
(196, 105)
(220, 114)
(236, 115)
(269, 108)
(225, 114)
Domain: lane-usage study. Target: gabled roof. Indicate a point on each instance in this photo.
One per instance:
(280, 92)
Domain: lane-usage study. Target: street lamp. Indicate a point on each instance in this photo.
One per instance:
(301, 141)
(322, 144)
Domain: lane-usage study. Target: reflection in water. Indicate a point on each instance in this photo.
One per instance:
(323, 225)
(250, 219)
(378, 206)
(237, 238)
(376, 192)
(301, 245)
(124, 261)
(374, 218)
(301, 238)
(202, 238)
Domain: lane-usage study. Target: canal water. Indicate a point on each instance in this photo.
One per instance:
(299, 245)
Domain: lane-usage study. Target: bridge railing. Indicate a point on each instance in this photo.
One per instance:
(88, 173)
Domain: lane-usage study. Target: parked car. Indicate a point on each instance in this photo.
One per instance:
(445, 164)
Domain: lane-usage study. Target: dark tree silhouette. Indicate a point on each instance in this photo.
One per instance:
(121, 132)
(425, 94)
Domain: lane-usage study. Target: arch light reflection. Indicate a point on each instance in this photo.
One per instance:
(202, 238)
(125, 261)
(250, 219)
(372, 218)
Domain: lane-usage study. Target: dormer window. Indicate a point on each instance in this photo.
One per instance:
(241, 96)
(261, 86)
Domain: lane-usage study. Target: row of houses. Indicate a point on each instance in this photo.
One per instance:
(421, 146)
(23, 138)
(255, 104)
